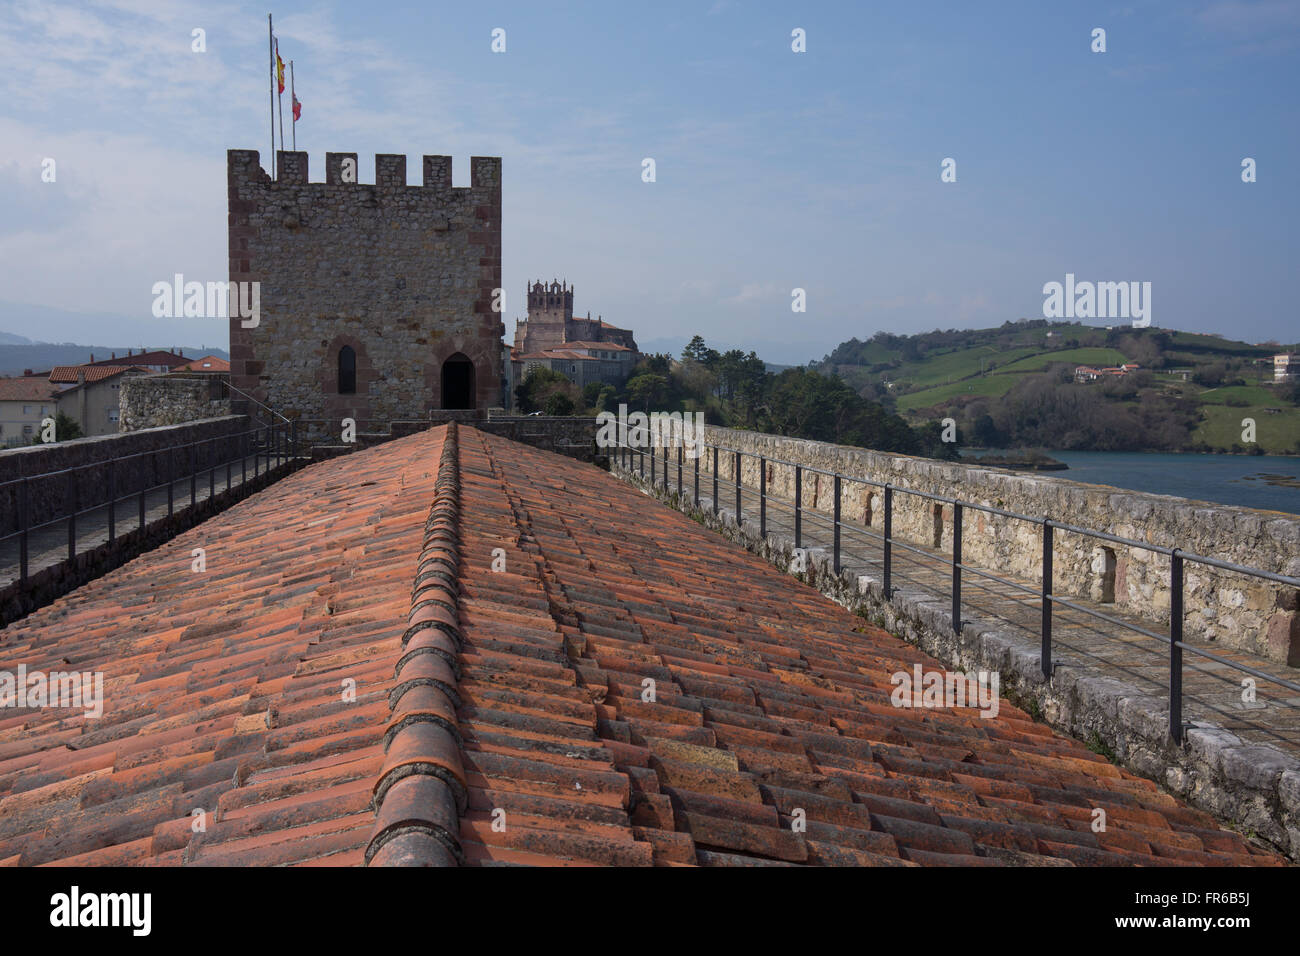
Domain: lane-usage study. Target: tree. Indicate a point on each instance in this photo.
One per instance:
(540, 383)
(647, 389)
(558, 403)
(697, 351)
(65, 429)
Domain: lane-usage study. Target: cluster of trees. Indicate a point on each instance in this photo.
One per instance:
(735, 389)
(1048, 410)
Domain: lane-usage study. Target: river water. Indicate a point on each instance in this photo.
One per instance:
(1240, 480)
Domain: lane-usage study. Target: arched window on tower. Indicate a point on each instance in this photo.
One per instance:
(347, 371)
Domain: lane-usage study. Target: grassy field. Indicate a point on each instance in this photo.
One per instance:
(1276, 434)
(1251, 394)
(1097, 357)
(987, 385)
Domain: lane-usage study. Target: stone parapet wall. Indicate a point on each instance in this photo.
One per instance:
(1240, 611)
(156, 400)
(1255, 788)
(52, 489)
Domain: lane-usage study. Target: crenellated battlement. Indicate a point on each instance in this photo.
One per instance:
(557, 296)
(342, 169)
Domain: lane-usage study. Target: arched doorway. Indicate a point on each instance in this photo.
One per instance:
(458, 382)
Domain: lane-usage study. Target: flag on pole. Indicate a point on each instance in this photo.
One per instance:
(279, 68)
(297, 109)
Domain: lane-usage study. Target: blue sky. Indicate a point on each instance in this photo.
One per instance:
(775, 170)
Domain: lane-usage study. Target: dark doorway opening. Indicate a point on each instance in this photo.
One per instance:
(458, 382)
(347, 371)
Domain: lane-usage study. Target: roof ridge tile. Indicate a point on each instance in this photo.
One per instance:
(421, 793)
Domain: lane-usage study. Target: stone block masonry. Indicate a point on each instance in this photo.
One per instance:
(375, 299)
(156, 400)
(1246, 613)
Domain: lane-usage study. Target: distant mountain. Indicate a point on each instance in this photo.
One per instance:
(41, 357)
(35, 324)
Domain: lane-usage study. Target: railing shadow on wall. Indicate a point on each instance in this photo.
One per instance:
(632, 456)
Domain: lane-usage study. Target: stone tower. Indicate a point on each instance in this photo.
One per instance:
(376, 300)
(550, 308)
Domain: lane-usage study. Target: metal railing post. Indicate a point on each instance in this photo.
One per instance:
(762, 498)
(24, 523)
(956, 567)
(681, 457)
(715, 479)
(72, 515)
(837, 524)
(1175, 648)
(698, 452)
(112, 500)
(889, 539)
(798, 506)
(737, 489)
(1046, 651)
(654, 459)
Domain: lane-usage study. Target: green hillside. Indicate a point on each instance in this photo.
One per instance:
(1014, 386)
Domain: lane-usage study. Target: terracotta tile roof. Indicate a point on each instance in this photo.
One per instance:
(208, 363)
(560, 354)
(28, 389)
(227, 690)
(771, 704)
(611, 346)
(502, 710)
(156, 357)
(67, 374)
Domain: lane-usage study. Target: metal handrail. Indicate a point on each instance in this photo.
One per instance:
(233, 388)
(274, 443)
(632, 458)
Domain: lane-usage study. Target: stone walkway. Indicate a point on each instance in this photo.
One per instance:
(48, 545)
(1211, 691)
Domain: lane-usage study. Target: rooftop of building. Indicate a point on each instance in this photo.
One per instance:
(156, 357)
(567, 354)
(71, 374)
(611, 346)
(27, 388)
(391, 652)
(208, 363)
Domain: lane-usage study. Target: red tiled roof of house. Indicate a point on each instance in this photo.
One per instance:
(560, 354)
(67, 374)
(208, 363)
(503, 713)
(612, 346)
(28, 388)
(156, 357)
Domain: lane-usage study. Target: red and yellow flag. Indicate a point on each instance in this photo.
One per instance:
(279, 67)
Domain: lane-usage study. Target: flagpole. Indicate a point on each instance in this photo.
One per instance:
(293, 98)
(280, 98)
(270, 47)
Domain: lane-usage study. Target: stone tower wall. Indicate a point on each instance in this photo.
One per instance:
(402, 274)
